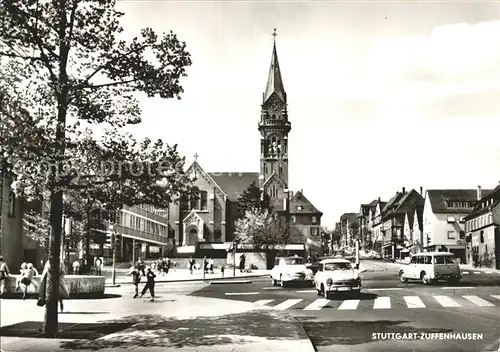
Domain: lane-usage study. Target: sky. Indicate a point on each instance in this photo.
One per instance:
(381, 95)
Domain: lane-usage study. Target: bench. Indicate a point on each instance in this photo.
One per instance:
(78, 285)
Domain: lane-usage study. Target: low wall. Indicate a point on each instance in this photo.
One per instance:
(255, 259)
(78, 285)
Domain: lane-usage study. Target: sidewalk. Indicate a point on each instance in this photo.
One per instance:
(171, 323)
(470, 267)
(184, 275)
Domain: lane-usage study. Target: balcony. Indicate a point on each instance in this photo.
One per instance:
(275, 123)
(274, 156)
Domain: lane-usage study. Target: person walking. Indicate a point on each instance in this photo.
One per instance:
(211, 265)
(150, 284)
(27, 278)
(205, 265)
(98, 265)
(136, 279)
(242, 263)
(191, 265)
(63, 290)
(167, 264)
(4, 274)
(141, 266)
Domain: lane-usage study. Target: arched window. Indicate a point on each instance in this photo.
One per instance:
(203, 200)
(194, 200)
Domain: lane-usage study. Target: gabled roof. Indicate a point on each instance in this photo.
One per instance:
(350, 217)
(274, 81)
(417, 201)
(438, 199)
(195, 166)
(365, 208)
(233, 184)
(274, 175)
(392, 202)
(410, 215)
(307, 207)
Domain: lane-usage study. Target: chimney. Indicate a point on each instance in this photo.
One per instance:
(479, 193)
(301, 191)
(379, 199)
(403, 189)
(421, 191)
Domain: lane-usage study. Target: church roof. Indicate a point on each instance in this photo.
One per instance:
(233, 184)
(306, 207)
(274, 81)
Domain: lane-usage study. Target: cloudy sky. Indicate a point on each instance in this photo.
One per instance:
(381, 95)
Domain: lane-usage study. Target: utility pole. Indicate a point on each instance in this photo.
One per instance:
(234, 258)
(113, 247)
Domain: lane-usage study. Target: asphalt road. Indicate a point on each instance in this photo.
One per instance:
(347, 323)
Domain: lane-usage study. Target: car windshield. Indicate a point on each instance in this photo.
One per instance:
(444, 259)
(337, 266)
(294, 261)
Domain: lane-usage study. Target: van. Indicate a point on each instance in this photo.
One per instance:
(430, 267)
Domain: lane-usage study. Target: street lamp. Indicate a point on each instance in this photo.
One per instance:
(234, 257)
(288, 214)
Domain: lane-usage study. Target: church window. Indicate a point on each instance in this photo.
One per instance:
(281, 170)
(184, 203)
(194, 200)
(274, 116)
(203, 199)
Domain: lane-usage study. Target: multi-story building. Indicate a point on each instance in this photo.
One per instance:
(348, 228)
(305, 223)
(377, 225)
(482, 228)
(444, 218)
(396, 241)
(365, 223)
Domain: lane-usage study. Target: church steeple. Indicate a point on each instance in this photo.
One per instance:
(274, 128)
(274, 81)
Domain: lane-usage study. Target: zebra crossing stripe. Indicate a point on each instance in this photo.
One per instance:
(465, 272)
(478, 301)
(382, 303)
(446, 301)
(317, 304)
(496, 296)
(349, 304)
(287, 304)
(414, 302)
(263, 302)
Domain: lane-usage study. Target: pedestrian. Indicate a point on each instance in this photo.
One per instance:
(142, 266)
(63, 290)
(205, 264)
(136, 279)
(167, 264)
(150, 284)
(211, 265)
(242, 262)
(24, 266)
(76, 267)
(191, 264)
(27, 278)
(98, 265)
(4, 274)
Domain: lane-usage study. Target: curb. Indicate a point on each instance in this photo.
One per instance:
(305, 341)
(227, 282)
(199, 280)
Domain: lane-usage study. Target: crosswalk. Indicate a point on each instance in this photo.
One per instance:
(384, 303)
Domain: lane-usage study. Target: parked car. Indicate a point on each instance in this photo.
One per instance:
(431, 267)
(337, 275)
(291, 269)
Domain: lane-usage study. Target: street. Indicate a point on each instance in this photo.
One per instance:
(346, 323)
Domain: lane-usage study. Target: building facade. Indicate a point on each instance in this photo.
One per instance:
(444, 218)
(482, 228)
(365, 224)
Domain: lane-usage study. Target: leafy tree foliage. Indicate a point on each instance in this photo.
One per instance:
(261, 228)
(252, 198)
(66, 70)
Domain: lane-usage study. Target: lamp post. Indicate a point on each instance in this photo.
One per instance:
(113, 247)
(288, 215)
(234, 258)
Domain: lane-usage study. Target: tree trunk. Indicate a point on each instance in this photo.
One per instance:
(50, 326)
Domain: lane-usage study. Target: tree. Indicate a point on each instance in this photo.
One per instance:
(72, 69)
(354, 231)
(252, 198)
(261, 228)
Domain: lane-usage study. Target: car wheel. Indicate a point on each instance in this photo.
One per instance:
(275, 282)
(402, 277)
(425, 278)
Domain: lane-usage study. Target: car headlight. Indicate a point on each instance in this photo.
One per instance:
(329, 281)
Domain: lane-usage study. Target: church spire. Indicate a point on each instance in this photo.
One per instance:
(274, 81)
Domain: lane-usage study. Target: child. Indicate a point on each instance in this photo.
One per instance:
(26, 278)
(136, 279)
(150, 284)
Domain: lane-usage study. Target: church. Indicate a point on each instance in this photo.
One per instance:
(205, 225)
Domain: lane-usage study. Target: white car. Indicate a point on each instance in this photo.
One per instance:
(337, 275)
(291, 269)
(430, 267)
